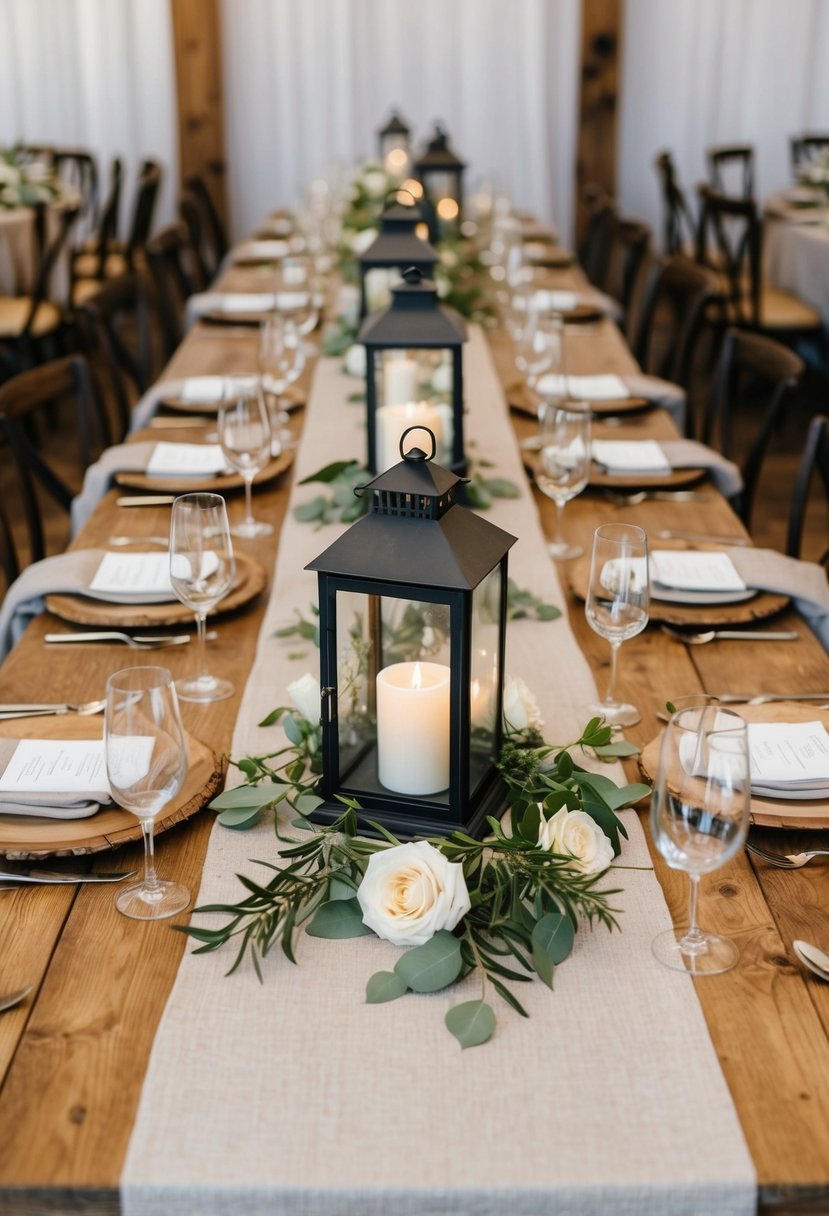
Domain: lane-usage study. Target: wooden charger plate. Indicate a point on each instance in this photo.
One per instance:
(763, 604)
(28, 838)
(251, 579)
(291, 400)
(215, 485)
(765, 812)
(233, 318)
(519, 402)
(639, 481)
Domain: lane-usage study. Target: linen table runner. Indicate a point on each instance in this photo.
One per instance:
(294, 1096)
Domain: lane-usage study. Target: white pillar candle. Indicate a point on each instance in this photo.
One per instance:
(378, 288)
(413, 728)
(390, 423)
(400, 380)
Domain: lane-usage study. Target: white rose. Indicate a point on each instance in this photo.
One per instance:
(362, 240)
(305, 694)
(411, 891)
(374, 183)
(521, 710)
(9, 173)
(576, 833)
(355, 360)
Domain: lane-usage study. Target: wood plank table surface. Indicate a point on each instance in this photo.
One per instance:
(73, 1056)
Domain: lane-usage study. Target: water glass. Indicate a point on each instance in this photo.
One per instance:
(563, 466)
(281, 360)
(617, 603)
(202, 569)
(245, 436)
(146, 759)
(699, 819)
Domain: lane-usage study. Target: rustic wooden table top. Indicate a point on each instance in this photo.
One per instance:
(73, 1056)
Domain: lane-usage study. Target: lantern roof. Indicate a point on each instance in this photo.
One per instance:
(395, 126)
(438, 154)
(414, 318)
(397, 244)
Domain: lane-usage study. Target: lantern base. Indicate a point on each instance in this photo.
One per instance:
(408, 821)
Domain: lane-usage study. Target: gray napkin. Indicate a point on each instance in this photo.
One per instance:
(667, 396)
(688, 454)
(123, 458)
(227, 303)
(46, 806)
(144, 409)
(804, 582)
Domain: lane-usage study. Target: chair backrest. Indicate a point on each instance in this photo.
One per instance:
(756, 372)
(595, 248)
(815, 457)
(671, 318)
(804, 148)
(680, 228)
(21, 399)
(166, 254)
(731, 165)
(78, 168)
(730, 243)
(108, 220)
(115, 324)
(214, 226)
(629, 247)
(144, 209)
(50, 252)
(203, 255)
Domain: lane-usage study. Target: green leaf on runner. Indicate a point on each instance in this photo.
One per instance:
(432, 966)
(472, 1023)
(384, 986)
(337, 919)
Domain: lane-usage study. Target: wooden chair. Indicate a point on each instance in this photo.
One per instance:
(30, 323)
(214, 228)
(24, 400)
(595, 249)
(113, 257)
(169, 257)
(78, 168)
(192, 216)
(731, 163)
(115, 326)
(680, 227)
(629, 248)
(97, 258)
(730, 243)
(758, 373)
(804, 148)
(815, 457)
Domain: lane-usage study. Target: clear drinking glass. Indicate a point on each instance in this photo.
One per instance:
(699, 818)
(245, 436)
(617, 602)
(563, 466)
(146, 759)
(539, 348)
(295, 286)
(202, 569)
(281, 360)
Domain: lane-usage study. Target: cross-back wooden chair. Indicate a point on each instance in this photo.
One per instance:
(731, 164)
(115, 326)
(815, 459)
(629, 248)
(30, 324)
(168, 254)
(97, 258)
(680, 226)
(595, 249)
(758, 373)
(214, 228)
(78, 168)
(203, 268)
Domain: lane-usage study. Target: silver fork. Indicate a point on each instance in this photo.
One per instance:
(633, 499)
(118, 542)
(10, 999)
(36, 710)
(786, 861)
(137, 642)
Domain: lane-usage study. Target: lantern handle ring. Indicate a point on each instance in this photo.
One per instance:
(416, 455)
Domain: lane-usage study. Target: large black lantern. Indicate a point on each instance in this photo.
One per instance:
(440, 172)
(395, 247)
(414, 373)
(393, 146)
(413, 604)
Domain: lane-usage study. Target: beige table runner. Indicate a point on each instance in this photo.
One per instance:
(296, 1097)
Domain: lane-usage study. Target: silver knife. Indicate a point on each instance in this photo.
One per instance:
(57, 877)
(706, 538)
(146, 500)
(728, 698)
(144, 639)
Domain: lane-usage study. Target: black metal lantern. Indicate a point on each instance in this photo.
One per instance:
(414, 373)
(413, 607)
(440, 172)
(395, 247)
(393, 146)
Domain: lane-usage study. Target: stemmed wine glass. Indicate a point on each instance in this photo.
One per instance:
(281, 360)
(617, 602)
(699, 818)
(540, 345)
(245, 436)
(294, 287)
(563, 465)
(202, 569)
(146, 759)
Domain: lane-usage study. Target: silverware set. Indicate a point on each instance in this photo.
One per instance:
(731, 635)
(35, 710)
(138, 641)
(785, 861)
(632, 499)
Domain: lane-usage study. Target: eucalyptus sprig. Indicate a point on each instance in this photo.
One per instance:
(341, 504)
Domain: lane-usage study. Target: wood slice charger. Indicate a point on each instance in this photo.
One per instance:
(275, 467)
(765, 812)
(29, 838)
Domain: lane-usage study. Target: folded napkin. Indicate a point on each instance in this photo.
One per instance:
(123, 458)
(688, 454)
(566, 301)
(205, 302)
(662, 393)
(24, 600)
(264, 250)
(804, 582)
(53, 778)
(630, 456)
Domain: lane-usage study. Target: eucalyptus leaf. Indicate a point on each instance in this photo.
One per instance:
(432, 966)
(384, 986)
(551, 943)
(338, 918)
(239, 817)
(329, 472)
(250, 795)
(307, 512)
(472, 1023)
(548, 612)
(306, 804)
(610, 751)
(501, 487)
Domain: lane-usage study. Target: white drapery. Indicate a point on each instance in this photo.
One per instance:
(702, 72)
(95, 74)
(308, 82)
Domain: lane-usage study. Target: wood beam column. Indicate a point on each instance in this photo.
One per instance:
(601, 36)
(197, 43)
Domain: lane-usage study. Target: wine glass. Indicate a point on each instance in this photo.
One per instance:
(617, 602)
(699, 818)
(202, 569)
(563, 465)
(295, 290)
(281, 360)
(540, 344)
(146, 759)
(245, 436)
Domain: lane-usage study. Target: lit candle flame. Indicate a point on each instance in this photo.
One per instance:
(417, 678)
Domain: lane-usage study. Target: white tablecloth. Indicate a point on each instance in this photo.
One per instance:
(796, 258)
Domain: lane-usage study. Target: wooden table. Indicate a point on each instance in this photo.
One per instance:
(73, 1057)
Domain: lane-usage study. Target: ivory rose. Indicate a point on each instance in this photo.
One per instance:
(305, 694)
(521, 710)
(576, 833)
(355, 360)
(411, 891)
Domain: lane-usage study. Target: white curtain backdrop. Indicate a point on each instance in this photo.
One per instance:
(702, 72)
(96, 74)
(308, 82)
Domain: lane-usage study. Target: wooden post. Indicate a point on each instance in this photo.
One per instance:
(198, 51)
(598, 101)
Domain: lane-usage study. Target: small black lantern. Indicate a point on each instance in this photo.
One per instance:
(413, 609)
(414, 373)
(440, 172)
(393, 146)
(395, 247)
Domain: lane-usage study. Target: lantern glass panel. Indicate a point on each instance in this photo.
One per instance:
(379, 282)
(485, 677)
(441, 183)
(356, 716)
(413, 388)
